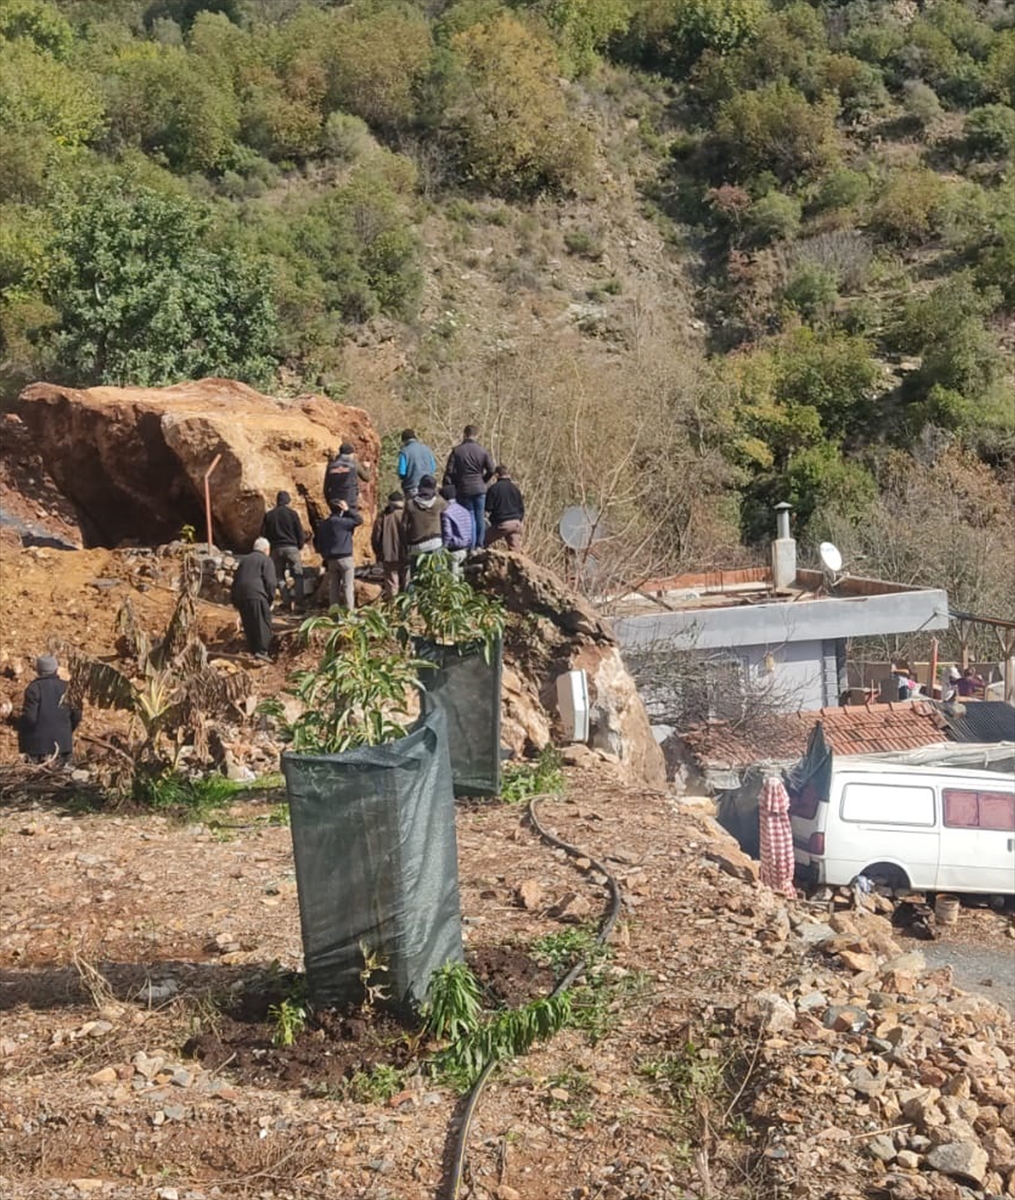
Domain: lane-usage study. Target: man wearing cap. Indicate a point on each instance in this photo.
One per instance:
(342, 476)
(281, 526)
(388, 542)
(421, 522)
(253, 593)
(47, 720)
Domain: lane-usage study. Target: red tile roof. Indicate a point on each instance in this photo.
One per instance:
(855, 729)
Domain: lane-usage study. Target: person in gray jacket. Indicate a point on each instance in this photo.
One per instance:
(415, 459)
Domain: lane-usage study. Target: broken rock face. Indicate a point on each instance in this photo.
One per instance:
(553, 630)
(133, 459)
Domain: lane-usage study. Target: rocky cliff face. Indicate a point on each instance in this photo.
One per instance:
(553, 630)
(133, 459)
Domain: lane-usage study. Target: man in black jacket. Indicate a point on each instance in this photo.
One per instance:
(468, 469)
(281, 526)
(506, 510)
(333, 542)
(253, 593)
(343, 474)
(47, 720)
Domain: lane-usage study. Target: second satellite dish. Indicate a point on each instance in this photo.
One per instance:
(830, 557)
(579, 527)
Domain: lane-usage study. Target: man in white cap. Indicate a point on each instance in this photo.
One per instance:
(47, 720)
(253, 593)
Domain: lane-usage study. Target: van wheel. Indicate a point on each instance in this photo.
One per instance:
(887, 875)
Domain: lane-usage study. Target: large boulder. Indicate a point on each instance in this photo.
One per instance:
(133, 460)
(552, 630)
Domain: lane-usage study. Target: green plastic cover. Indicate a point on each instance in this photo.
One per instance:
(376, 865)
(466, 687)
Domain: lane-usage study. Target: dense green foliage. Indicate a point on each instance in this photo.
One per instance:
(233, 186)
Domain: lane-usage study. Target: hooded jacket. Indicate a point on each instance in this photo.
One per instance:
(421, 521)
(281, 526)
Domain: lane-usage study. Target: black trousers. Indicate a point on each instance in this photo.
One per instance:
(256, 617)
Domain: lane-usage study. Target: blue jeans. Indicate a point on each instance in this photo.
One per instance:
(476, 505)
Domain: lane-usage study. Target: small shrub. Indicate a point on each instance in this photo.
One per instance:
(921, 103)
(586, 243)
(841, 189)
(812, 291)
(990, 131)
(346, 138)
(520, 781)
(775, 217)
(909, 209)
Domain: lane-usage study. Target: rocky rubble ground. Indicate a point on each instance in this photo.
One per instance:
(848, 1070)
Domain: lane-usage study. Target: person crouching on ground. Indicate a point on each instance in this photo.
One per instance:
(253, 593)
(388, 542)
(421, 522)
(47, 721)
(281, 526)
(456, 529)
(333, 542)
(505, 510)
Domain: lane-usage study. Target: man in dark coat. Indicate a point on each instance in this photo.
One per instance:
(281, 526)
(333, 542)
(388, 542)
(342, 476)
(253, 592)
(468, 470)
(47, 720)
(421, 521)
(506, 510)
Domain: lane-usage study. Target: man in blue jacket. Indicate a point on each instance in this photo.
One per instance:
(414, 461)
(333, 542)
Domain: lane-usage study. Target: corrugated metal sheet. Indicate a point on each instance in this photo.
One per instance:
(982, 721)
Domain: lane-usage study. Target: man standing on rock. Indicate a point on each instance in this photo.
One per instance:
(506, 510)
(253, 593)
(343, 474)
(468, 470)
(456, 529)
(333, 542)
(47, 720)
(281, 526)
(421, 522)
(415, 459)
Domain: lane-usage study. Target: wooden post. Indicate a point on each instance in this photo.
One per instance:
(207, 497)
(933, 668)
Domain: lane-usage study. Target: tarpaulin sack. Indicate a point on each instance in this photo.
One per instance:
(466, 687)
(373, 834)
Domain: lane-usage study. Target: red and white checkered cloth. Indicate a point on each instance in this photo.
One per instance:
(776, 837)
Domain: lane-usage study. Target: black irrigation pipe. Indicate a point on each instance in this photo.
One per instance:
(472, 1100)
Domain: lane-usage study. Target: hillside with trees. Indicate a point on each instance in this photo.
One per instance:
(680, 259)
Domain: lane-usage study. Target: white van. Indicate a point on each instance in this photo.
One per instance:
(930, 828)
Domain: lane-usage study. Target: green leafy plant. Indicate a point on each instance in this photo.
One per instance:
(188, 534)
(290, 1017)
(446, 609)
(375, 1086)
(520, 781)
(454, 1002)
(358, 694)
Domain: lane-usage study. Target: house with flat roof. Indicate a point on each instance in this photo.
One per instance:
(777, 632)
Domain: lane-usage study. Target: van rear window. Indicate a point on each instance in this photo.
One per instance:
(979, 810)
(888, 804)
(805, 802)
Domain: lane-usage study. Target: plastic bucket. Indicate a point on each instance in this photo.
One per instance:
(946, 910)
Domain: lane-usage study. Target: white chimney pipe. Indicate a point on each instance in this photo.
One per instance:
(783, 550)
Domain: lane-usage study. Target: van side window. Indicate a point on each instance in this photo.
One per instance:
(979, 810)
(888, 804)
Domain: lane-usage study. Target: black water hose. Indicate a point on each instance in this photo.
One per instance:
(472, 1100)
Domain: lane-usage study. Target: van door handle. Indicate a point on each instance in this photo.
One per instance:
(1011, 843)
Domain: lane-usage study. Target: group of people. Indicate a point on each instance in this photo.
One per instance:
(477, 504)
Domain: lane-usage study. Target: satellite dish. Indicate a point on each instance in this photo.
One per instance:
(579, 527)
(830, 557)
